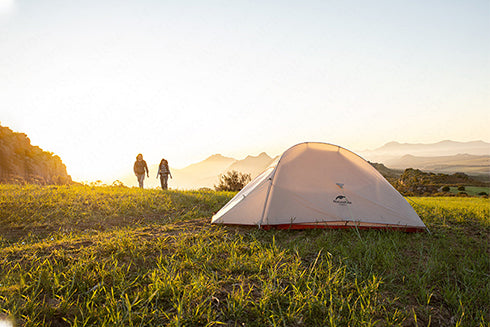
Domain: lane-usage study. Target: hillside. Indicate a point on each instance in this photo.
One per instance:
(21, 162)
(416, 182)
(470, 164)
(389, 174)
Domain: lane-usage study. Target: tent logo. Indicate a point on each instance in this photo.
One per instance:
(342, 200)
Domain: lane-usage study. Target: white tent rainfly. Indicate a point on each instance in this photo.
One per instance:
(319, 185)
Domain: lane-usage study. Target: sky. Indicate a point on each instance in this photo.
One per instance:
(97, 82)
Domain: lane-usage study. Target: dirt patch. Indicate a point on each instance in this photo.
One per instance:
(14, 234)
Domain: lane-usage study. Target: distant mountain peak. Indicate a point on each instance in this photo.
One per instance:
(261, 156)
(218, 157)
(392, 143)
(479, 142)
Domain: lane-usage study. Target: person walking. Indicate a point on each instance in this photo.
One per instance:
(140, 168)
(164, 172)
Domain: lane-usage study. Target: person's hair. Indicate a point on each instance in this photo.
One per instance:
(163, 161)
(139, 155)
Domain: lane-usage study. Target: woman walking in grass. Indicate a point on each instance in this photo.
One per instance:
(164, 172)
(140, 168)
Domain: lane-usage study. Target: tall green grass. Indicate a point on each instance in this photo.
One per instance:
(79, 208)
(113, 256)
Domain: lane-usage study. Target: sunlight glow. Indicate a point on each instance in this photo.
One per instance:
(6, 323)
(6, 7)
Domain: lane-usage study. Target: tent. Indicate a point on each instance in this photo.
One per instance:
(319, 185)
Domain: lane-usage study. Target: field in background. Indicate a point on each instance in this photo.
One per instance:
(115, 256)
(471, 190)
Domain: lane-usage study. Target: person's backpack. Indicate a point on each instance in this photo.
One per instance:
(164, 168)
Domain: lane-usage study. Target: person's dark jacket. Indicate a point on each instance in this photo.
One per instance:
(140, 167)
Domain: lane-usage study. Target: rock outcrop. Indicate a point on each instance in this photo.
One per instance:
(21, 162)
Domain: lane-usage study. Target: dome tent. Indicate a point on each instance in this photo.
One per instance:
(319, 185)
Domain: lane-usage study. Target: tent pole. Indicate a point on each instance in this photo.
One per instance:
(266, 200)
(271, 179)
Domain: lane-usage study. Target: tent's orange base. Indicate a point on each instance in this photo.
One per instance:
(407, 229)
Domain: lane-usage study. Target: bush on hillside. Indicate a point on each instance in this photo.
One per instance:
(417, 182)
(232, 181)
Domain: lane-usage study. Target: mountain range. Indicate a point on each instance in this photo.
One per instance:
(472, 158)
(206, 173)
(444, 148)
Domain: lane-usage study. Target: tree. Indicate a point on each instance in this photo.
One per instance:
(232, 181)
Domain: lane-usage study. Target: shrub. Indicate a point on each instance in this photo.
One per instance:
(232, 181)
(445, 189)
(118, 183)
(461, 188)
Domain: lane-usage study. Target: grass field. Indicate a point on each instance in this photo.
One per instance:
(471, 190)
(114, 256)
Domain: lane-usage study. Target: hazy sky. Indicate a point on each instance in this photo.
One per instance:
(98, 82)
